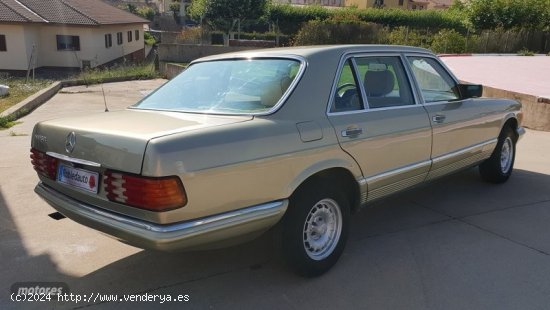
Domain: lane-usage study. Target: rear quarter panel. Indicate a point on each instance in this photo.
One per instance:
(241, 165)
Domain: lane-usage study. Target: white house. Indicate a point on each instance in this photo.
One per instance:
(67, 33)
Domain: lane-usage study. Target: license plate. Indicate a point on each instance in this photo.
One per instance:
(79, 178)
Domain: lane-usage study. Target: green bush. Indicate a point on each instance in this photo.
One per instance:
(509, 14)
(408, 36)
(448, 41)
(317, 32)
(435, 19)
(525, 52)
(291, 18)
(6, 121)
(149, 39)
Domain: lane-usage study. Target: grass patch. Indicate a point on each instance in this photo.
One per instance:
(525, 52)
(20, 90)
(136, 72)
(7, 122)
(17, 134)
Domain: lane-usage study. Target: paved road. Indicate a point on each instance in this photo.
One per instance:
(458, 243)
(522, 74)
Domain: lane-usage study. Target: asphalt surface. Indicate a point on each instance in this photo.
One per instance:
(457, 243)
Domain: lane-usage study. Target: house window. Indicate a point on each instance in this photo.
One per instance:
(119, 38)
(137, 35)
(108, 40)
(401, 2)
(68, 43)
(3, 47)
(130, 36)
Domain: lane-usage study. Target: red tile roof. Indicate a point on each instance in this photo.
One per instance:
(70, 12)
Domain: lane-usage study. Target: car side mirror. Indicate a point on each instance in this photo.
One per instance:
(470, 90)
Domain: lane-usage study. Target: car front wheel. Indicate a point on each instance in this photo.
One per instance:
(315, 229)
(498, 167)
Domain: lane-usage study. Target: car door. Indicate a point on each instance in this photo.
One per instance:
(379, 123)
(462, 128)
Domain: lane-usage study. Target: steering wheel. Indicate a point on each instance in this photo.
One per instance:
(344, 86)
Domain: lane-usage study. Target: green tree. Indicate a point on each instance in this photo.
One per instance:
(509, 14)
(146, 12)
(175, 7)
(226, 14)
(131, 8)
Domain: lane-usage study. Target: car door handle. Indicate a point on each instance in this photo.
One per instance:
(438, 118)
(352, 132)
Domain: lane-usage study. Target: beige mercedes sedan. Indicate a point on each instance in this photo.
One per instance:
(297, 138)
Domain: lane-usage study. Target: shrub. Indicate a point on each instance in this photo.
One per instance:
(448, 41)
(525, 52)
(291, 18)
(331, 32)
(149, 39)
(408, 36)
(6, 121)
(509, 14)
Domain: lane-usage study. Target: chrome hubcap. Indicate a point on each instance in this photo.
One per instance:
(322, 229)
(506, 155)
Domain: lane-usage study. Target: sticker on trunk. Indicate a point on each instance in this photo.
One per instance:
(79, 178)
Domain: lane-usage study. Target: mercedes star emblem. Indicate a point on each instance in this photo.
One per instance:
(70, 142)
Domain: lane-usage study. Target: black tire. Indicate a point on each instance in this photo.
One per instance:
(315, 204)
(499, 167)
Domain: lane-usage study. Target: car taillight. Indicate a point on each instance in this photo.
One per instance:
(155, 194)
(44, 164)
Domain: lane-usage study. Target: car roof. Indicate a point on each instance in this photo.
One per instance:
(318, 50)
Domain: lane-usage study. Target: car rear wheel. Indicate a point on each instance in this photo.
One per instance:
(315, 229)
(498, 167)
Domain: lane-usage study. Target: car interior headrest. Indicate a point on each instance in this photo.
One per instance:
(378, 83)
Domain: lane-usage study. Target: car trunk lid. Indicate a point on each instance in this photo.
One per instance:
(117, 140)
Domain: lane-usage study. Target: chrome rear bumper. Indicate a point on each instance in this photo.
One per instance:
(195, 233)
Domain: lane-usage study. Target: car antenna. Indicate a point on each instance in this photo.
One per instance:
(104, 99)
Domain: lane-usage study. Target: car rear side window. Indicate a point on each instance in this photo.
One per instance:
(347, 96)
(385, 81)
(435, 83)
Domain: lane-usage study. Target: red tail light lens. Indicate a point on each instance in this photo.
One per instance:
(44, 164)
(154, 194)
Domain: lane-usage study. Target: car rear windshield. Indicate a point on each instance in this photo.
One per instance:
(237, 86)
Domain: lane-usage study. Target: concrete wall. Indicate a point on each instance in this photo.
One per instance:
(187, 53)
(170, 70)
(21, 38)
(15, 58)
(536, 110)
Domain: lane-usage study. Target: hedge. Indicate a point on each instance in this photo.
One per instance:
(291, 18)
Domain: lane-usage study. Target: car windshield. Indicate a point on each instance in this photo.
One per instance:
(237, 86)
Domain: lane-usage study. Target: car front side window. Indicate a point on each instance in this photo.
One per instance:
(434, 81)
